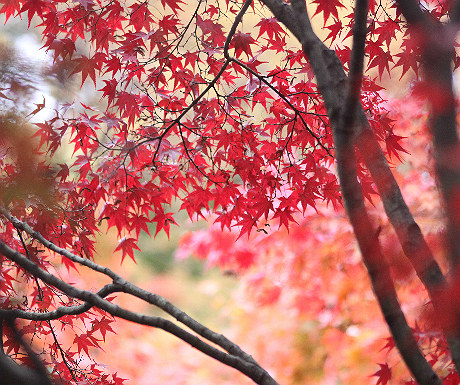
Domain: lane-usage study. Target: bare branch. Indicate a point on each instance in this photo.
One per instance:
(365, 231)
(236, 357)
(122, 285)
(438, 52)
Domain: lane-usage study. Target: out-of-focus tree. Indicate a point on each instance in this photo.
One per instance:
(238, 119)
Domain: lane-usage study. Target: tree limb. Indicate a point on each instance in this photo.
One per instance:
(331, 80)
(413, 13)
(454, 12)
(60, 311)
(235, 358)
(365, 231)
(121, 285)
(14, 374)
(438, 51)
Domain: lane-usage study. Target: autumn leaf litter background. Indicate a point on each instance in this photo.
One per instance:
(258, 193)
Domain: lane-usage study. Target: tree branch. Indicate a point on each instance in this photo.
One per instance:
(236, 358)
(365, 231)
(121, 285)
(438, 52)
(59, 312)
(454, 12)
(13, 374)
(413, 13)
(40, 369)
(331, 80)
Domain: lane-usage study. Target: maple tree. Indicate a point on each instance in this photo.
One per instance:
(237, 120)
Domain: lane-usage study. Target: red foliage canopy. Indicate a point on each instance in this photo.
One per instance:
(223, 114)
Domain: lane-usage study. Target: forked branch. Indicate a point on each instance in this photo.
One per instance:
(231, 354)
(437, 44)
(331, 80)
(366, 233)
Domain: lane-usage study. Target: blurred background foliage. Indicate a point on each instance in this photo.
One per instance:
(304, 329)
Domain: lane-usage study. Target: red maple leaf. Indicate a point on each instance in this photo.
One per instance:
(242, 43)
(328, 8)
(34, 7)
(393, 146)
(138, 223)
(39, 106)
(285, 216)
(173, 4)
(390, 345)
(386, 31)
(379, 58)
(127, 246)
(64, 172)
(62, 47)
(384, 374)
(140, 16)
(85, 341)
(87, 66)
(247, 223)
(9, 8)
(103, 325)
(110, 90)
(271, 27)
(335, 30)
(163, 222)
(213, 28)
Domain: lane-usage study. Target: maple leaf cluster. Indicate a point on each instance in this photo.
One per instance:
(305, 273)
(224, 118)
(160, 140)
(255, 147)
